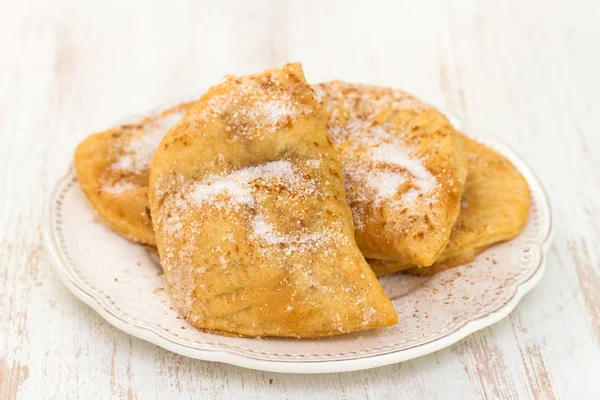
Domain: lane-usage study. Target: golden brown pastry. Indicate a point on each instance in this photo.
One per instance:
(403, 167)
(112, 169)
(118, 187)
(495, 206)
(252, 225)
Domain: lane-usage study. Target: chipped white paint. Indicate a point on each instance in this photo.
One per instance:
(527, 70)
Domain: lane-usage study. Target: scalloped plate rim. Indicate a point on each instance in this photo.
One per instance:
(359, 362)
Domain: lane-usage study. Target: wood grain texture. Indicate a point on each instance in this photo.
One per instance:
(526, 70)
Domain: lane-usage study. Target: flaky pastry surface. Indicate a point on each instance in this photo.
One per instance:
(403, 167)
(252, 225)
(495, 206)
(112, 168)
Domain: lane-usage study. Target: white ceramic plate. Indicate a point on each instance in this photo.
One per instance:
(121, 281)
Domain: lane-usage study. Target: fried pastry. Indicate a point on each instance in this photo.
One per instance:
(118, 188)
(252, 225)
(403, 167)
(495, 206)
(112, 169)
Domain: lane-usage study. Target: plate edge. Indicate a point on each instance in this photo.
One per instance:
(305, 366)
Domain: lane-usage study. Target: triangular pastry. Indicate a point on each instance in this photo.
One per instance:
(252, 225)
(112, 168)
(403, 167)
(495, 205)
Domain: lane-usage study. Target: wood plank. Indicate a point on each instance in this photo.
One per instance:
(525, 70)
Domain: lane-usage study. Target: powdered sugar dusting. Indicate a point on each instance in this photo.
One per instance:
(313, 163)
(277, 110)
(302, 240)
(423, 181)
(267, 232)
(237, 184)
(138, 153)
(393, 154)
(244, 188)
(120, 187)
(379, 168)
(368, 316)
(269, 239)
(239, 197)
(386, 183)
(237, 189)
(254, 106)
(206, 192)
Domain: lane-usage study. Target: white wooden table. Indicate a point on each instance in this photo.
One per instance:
(528, 70)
